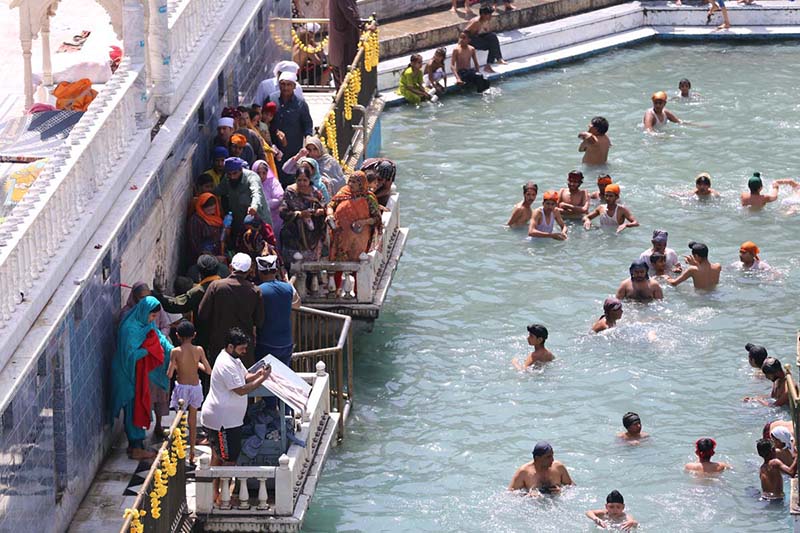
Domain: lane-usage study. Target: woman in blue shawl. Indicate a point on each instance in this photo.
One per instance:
(142, 350)
(316, 178)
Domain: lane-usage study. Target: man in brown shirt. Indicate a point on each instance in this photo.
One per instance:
(228, 303)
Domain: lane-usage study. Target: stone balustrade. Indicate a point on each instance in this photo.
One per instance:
(289, 476)
(58, 202)
(188, 22)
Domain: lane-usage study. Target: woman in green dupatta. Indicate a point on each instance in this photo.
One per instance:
(142, 351)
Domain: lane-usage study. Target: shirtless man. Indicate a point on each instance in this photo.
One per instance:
(612, 213)
(483, 39)
(658, 116)
(461, 61)
(537, 335)
(639, 286)
(705, 275)
(522, 212)
(545, 217)
(573, 201)
(705, 448)
(702, 186)
(602, 182)
(633, 429)
(543, 475)
(753, 198)
(612, 311)
(614, 514)
(659, 244)
(770, 475)
(778, 397)
(595, 144)
(748, 258)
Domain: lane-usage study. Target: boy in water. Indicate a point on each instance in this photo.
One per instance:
(702, 186)
(705, 449)
(595, 144)
(773, 371)
(572, 200)
(770, 475)
(546, 217)
(614, 514)
(463, 56)
(705, 275)
(522, 212)
(187, 359)
(658, 265)
(658, 116)
(633, 429)
(612, 311)
(537, 335)
(685, 88)
(602, 182)
(435, 77)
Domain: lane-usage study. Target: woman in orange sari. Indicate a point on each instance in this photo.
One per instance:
(205, 227)
(355, 217)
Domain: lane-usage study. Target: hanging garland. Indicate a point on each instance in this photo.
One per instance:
(135, 516)
(277, 38)
(352, 88)
(309, 49)
(371, 45)
(330, 134)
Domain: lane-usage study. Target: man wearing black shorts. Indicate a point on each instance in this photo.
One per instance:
(226, 404)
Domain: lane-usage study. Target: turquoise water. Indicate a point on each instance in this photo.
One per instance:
(442, 420)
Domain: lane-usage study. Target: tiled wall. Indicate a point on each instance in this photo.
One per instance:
(55, 432)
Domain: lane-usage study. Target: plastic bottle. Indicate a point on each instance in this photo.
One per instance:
(228, 220)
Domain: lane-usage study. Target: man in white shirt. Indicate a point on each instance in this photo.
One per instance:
(659, 242)
(226, 404)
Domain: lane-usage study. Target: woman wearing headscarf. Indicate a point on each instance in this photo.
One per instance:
(355, 215)
(141, 359)
(303, 214)
(327, 164)
(273, 192)
(205, 228)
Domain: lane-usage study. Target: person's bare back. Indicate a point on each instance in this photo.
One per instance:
(706, 467)
(595, 149)
(188, 360)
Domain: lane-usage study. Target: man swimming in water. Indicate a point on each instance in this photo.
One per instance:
(595, 144)
(705, 449)
(611, 214)
(543, 475)
(545, 218)
(704, 275)
(612, 311)
(748, 258)
(639, 286)
(702, 186)
(773, 371)
(633, 428)
(522, 212)
(753, 198)
(537, 335)
(614, 514)
(657, 116)
(573, 201)
(659, 244)
(599, 194)
(771, 478)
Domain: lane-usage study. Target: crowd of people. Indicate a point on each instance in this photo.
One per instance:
(656, 267)
(272, 194)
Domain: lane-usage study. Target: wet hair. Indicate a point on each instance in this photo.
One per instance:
(639, 264)
(756, 353)
(538, 330)
(703, 179)
(629, 419)
(615, 497)
(530, 185)
(185, 329)
(414, 57)
(485, 10)
(576, 173)
(656, 256)
(685, 81)
(765, 448)
(705, 448)
(440, 52)
(771, 365)
(754, 183)
(600, 124)
(699, 249)
(236, 337)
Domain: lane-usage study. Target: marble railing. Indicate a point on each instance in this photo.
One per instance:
(34, 235)
(188, 22)
(289, 475)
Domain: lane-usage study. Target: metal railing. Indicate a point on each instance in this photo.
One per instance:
(327, 337)
(173, 504)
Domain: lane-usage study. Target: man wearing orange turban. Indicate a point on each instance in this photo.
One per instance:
(545, 217)
(602, 181)
(748, 255)
(612, 214)
(239, 147)
(657, 116)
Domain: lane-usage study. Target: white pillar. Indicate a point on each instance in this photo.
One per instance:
(25, 40)
(159, 55)
(47, 66)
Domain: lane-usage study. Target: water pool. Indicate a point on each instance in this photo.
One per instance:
(442, 420)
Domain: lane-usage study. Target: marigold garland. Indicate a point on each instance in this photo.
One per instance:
(309, 49)
(135, 515)
(351, 90)
(277, 38)
(370, 43)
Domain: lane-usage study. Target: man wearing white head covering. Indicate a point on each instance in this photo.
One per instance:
(787, 452)
(231, 302)
(270, 85)
(292, 118)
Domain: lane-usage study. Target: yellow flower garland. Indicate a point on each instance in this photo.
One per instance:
(135, 515)
(277, 38)
(351, 89)
(370, 43)
(309, 49)
(330, 134)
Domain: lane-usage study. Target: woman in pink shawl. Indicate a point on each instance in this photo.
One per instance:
(273, 192)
